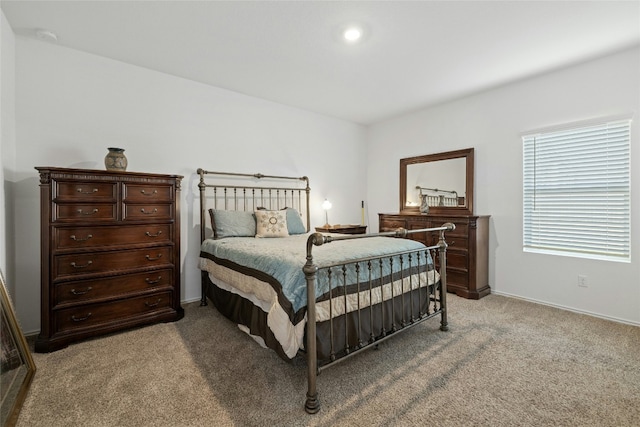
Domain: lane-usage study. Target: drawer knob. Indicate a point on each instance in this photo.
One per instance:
(74, 292)
(149, 212)
(148, 257)
(153, 235)
(149, 194)
(74, 265)
(80, 319)
(93, 212)
(81, 191)
(73, 237)
(153, 282)
(152, 304)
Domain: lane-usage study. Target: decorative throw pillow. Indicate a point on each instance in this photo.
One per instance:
(232, 223)
(271, 223)
(294, 220)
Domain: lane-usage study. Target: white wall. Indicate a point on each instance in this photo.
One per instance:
(7, 149)
(71, 106)
(492, 123)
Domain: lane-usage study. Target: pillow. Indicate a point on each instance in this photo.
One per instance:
(294, 222)
(271, 223)
(232, 223)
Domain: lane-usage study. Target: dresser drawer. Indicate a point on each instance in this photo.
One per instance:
(391, 224)
(462, 226)
(453, 242)
(431, 239)
(85, 191)
(147, 193)
(457, 242)
(96, 314)
(462, 229)
(84, 212)
(457, 260)
(148, 212)
(457, 279)
(67, 266)
(109, 287)
(88, 237)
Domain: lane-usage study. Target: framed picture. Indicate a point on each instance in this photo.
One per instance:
(16, 364)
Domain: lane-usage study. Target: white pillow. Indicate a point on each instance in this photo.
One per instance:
(271, 223)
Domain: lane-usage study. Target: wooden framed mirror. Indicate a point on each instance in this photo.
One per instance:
(440, 183)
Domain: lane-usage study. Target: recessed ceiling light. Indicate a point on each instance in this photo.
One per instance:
(46, 35)
(352, 34)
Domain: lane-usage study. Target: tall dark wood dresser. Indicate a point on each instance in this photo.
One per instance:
(110, 253)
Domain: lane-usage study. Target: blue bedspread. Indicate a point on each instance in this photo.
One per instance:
(283, 258)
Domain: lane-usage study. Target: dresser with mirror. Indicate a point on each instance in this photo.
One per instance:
(438, 188)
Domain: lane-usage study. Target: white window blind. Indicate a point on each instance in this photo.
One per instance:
(576, 191)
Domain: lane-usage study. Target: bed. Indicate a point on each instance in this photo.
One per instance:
(324, 296)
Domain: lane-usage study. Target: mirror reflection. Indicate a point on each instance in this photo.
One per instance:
(439, 183)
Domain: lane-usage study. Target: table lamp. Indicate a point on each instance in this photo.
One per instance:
(326, 205)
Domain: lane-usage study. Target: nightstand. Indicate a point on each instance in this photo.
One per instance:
(343, 229)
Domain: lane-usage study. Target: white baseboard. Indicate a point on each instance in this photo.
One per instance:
(562, 307)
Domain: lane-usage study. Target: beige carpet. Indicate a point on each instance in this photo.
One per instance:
(504, 362)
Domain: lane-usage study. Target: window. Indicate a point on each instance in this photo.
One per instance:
(576, 191)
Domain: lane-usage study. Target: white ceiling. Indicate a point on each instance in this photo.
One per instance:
(414, 53)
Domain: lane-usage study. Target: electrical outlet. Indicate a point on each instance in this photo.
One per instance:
(582, 281)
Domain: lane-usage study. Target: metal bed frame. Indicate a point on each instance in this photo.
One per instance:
(420, 303)
(437, 197)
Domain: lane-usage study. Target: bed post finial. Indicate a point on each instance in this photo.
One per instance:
(401, 232)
